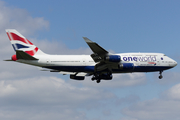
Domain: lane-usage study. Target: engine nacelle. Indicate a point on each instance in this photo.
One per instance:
(77, 77)
(113, 58)
(126, 66)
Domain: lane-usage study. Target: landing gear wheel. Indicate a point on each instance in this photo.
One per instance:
(98, 80)
(93, 78)
(160, 77)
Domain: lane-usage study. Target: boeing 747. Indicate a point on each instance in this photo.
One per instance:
(101, 64)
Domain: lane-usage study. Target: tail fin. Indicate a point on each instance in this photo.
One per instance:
(20, 43)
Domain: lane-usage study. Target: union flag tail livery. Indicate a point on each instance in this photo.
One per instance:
(101, 64)
(19, 42)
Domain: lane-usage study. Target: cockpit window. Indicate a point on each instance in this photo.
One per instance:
(164, 55)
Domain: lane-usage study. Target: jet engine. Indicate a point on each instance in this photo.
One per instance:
(113, 58)
(77, 77)
(126, 66)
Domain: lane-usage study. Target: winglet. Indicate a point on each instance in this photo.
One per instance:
(87, 40)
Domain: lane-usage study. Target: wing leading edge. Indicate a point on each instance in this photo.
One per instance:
(95, 47)
(99, 53)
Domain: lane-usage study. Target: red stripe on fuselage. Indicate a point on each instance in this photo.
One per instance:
(151, 63)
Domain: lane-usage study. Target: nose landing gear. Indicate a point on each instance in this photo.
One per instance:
(160, 76)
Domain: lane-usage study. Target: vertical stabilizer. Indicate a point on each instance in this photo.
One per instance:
(20, 43)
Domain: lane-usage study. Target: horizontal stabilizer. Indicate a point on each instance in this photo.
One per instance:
(8, 60)
(23, 55)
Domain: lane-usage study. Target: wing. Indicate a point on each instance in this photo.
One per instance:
(99, 52)
(104, 59)
(64, 72)
(74, 73)
(95, 47)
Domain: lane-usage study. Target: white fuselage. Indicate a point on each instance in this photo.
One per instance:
(100, 64)
(142, 62)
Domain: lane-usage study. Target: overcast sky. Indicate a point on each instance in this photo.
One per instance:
(120, 26)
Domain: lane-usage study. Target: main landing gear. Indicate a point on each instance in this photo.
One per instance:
(97, 78)
(160, 76)
(105, 76)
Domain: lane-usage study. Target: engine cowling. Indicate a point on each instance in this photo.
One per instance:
(113, 58)
(126, 66)
(77, 77)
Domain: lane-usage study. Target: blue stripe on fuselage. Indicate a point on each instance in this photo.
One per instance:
(150, 68)
(72, 68)
(91, 69)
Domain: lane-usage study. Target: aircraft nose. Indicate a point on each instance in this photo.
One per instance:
(174, 63)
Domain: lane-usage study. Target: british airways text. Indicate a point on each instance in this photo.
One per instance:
(143, 59)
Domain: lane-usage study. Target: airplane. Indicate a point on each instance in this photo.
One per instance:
(101, 64)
